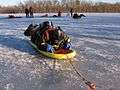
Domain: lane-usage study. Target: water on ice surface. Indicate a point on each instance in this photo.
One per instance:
(96, 39)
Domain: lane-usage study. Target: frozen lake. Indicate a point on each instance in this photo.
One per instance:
(96, 39)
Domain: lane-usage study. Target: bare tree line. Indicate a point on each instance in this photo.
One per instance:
(47, 6)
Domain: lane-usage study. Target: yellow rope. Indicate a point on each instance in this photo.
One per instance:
(91, 85)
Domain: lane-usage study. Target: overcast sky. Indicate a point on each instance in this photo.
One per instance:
(14, 2)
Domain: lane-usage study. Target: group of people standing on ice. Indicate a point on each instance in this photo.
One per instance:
(29, 12)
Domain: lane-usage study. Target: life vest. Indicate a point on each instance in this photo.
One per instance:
(46, 34)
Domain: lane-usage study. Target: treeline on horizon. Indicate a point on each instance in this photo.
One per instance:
(52, 6)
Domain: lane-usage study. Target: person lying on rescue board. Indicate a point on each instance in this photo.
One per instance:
(47, 37)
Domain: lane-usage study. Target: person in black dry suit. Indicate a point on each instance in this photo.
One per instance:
(48, 38)
(27, 12)
(31, 12)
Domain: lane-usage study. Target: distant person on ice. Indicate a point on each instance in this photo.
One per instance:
(71, 12)
(59, 14)
(31, 12)
(27, 12)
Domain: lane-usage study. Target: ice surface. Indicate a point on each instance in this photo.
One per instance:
(96, 39)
